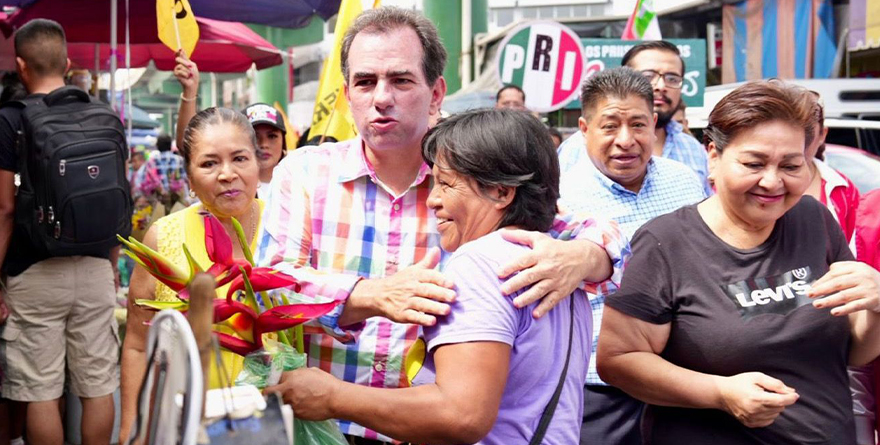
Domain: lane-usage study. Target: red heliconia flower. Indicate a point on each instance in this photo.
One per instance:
(217, 242)
(157, 265)
(288, 316)
(235, 344)
(224, 309)
(223, 274)
(240, 317)
(262, 279)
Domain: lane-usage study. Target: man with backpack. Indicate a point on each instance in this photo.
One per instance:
(63, 197)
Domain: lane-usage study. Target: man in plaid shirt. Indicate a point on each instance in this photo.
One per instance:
(351, 222)
(164, 173)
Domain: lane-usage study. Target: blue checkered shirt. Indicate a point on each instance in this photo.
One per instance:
(668, 185)
(679, 146)
(684, 148)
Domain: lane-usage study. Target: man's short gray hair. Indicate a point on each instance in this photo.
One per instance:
(620, 83)
(387, 18)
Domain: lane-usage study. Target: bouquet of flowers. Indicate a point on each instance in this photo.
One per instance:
(241, 311)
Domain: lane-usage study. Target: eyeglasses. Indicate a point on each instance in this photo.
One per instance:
(671, 80)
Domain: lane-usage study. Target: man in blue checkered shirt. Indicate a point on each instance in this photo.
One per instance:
(661, 63)
(618, 178)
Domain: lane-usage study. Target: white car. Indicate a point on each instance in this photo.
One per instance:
(862, 168)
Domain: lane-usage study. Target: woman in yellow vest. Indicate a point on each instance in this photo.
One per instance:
(220, 153)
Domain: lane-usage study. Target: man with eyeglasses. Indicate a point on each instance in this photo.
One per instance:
(661, 63)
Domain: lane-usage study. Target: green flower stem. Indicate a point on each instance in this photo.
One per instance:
(249, 297)
(300, 342)
(297, 331)
(245, 247)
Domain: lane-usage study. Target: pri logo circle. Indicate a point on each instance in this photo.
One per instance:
(546, 60)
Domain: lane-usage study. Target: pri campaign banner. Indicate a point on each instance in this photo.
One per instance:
(600, 54)
(545, 59)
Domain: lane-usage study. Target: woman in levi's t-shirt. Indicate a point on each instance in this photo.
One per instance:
(737, 317)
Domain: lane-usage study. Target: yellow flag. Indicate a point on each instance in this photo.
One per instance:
(291, 136)
(332, 116)
(177, 25)
(415, 359)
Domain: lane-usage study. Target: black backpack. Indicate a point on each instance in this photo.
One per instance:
(74, 196)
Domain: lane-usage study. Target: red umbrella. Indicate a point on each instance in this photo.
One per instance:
(222, 47)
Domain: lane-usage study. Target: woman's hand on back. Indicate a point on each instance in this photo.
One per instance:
(755, 399)
(848, 287)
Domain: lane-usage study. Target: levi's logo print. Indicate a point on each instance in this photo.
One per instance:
(778, 294)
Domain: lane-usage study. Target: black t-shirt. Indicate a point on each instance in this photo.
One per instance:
(22, 253)
(735, 311)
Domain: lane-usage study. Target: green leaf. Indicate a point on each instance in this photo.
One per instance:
(134, 256)
(162, 305)
(194, 267)
(284, 338)
(297, 331)
(270, 302)
(249, 298)
(300, 342)
(245, 246)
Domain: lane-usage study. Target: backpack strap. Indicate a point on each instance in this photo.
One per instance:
(66, 94)
(550, 409)
(13, 104)
(21, 105)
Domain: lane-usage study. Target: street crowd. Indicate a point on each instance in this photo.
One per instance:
(629, 284)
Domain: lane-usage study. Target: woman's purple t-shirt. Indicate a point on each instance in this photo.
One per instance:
(482, 312)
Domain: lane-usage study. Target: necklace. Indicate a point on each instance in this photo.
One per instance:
(254, 205)
(253, 226)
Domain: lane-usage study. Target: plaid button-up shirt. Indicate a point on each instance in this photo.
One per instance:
(329, 222)
(164, 171)
(684, 148)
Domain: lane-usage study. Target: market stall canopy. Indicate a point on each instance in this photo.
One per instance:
(281, 13)
(140, 118)
(223, 46)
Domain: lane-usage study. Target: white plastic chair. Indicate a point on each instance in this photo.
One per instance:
(173, 368)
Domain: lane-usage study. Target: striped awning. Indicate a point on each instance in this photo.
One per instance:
(790, 39)
(864, 25)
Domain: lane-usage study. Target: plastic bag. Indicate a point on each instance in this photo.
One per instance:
(264, 367)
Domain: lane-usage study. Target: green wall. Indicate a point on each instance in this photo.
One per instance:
(446, 15)
(273, 84)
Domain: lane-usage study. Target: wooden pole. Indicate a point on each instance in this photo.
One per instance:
(329, 121)
(201, 317)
